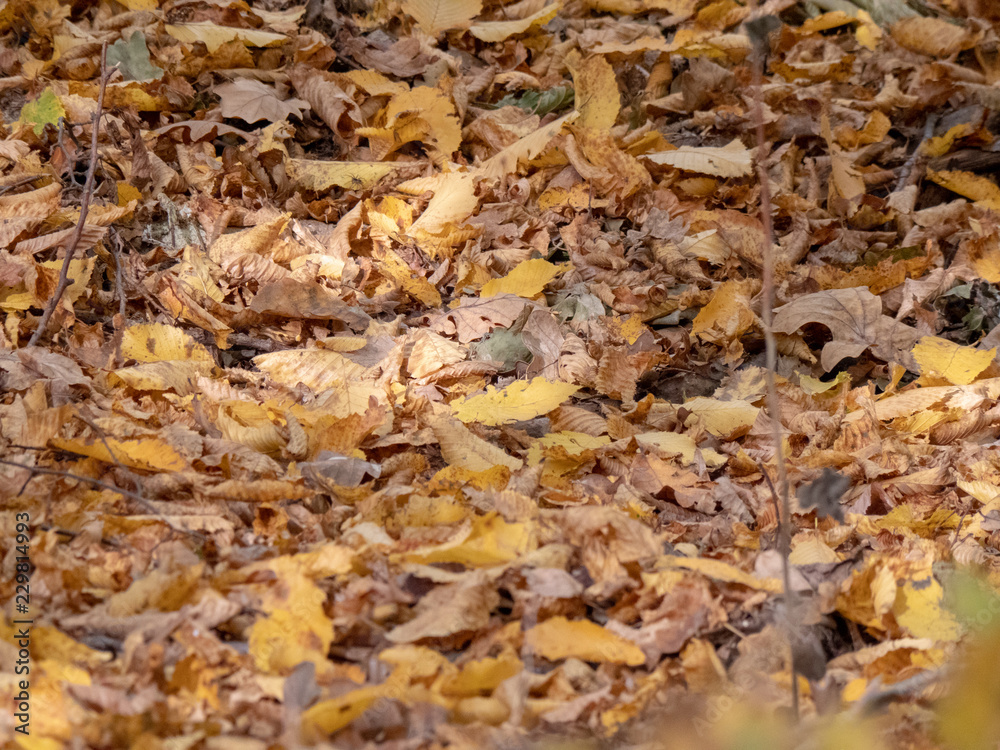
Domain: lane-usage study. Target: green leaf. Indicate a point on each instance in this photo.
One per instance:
(45, 110)
(540, 102)
(133, 60)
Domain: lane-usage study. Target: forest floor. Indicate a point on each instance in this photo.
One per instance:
(405, 383)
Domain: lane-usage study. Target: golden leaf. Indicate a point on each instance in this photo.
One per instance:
(956, 364)
(598, 97)
(527, 279)
(214, 36)
(148, 454)
(157, 342)
(980, 189)
(497, 31)
(322, 175)
(517, 402)
(558, 638)
(459, 447)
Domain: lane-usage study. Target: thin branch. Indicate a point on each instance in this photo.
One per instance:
(117, 251)
(104, 486)
(771, 350)
(21, 181)
(88, 190)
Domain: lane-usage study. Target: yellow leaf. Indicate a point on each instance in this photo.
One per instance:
(824, 22)
(918, 608)
(335, 714)
(147, 455)
(180, 377)
(558, 638)
(868, 33)
(682, 445)
(811, 550)
(435, 16)
(479, 676)
(505, 162)
(497, 31)
(254, 240)
(454, 199)
(437, 121)
(957, 364)
(598, 97)
(517, 402)
(432, 351)
(815, 386)
(214, 36)
(392, 266)
(318, 369)
(459, 447)
(574, 443)
(321, 175)
(630, 328)
(731, 160)
(157, 342)
(722, 571)
(941, 145)
(725, 419)
(728, 314)
(491, 541)
(527, 279)
(970, 185)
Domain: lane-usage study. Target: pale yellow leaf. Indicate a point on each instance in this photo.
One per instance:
(725, 419)
(517, 402)
(158, 342)
(919, 609)
(431, 352)
(435, 16)
(497, 31)
(597, 96)
(732, 160)
(505, 162)
(214, 36)
(317, 369)
(459, 447)
(956, 364)
(454, 199)
(321, 175)
(681, 445)
(528, 279)
(720, 570)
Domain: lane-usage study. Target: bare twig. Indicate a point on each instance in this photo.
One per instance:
(88, 190)
(771, 353)
(21, 181)
(104, 486)
(117, 246)
(918, 156)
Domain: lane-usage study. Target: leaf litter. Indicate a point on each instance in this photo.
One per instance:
(407, 385)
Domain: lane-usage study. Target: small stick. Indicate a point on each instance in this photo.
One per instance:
(88, 190)
(104, 486)
(117, 246)
(22, 181)
(771, 351)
